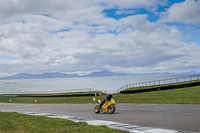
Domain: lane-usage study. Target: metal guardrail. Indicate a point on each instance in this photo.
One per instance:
(160, 82)
(9, 96)
(63, 91)
(73, 90)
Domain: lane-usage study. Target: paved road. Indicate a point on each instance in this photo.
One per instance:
(169, 116)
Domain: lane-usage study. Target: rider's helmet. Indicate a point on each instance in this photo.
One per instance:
(110, 96)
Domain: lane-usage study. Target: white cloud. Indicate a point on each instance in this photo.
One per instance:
(124, 12)
(74, 36)
(65, 60)
(184, 12)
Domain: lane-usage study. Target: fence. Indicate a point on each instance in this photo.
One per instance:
(8, 95)
(80, 90)
(160, 82)
(63, 91)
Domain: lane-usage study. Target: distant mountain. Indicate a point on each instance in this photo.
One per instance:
(58, 75)
(24, 76)
(105, 74)
(61, 75)
(94, 74)
(40, 76)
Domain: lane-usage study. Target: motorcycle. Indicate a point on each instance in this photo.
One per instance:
(108, 106)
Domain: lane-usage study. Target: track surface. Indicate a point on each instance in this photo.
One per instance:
(169, 116)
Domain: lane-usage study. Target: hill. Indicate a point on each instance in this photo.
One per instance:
(61, 75)
(94, 74)
(40, 76)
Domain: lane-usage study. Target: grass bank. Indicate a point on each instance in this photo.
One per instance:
(161, 87)
(21, 123)
(188, 95)
(52, 100)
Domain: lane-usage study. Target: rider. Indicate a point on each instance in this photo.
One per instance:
(107, 98)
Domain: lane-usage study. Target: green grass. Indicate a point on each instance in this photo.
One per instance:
(189, 95)
(21, 123)
(53, 94)
(52, 100)
(62, 93)
(157, 86)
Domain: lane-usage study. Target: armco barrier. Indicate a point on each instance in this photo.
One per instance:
(68, 95)
(160, 82)
(161, 88)
(9, 96)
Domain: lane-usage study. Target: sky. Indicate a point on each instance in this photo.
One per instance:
(83, 36)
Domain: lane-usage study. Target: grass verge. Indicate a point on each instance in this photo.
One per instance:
(188, 95)
(53, 100)
(164, 85)
(21, 123)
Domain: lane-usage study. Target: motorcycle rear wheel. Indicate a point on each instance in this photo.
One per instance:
(111, 109)
(97, 109)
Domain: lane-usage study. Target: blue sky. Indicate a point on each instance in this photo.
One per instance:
(137, 10)
(130, 36)
(192, 32)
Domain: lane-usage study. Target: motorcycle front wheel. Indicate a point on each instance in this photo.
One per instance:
(111, 109)
(97, 109)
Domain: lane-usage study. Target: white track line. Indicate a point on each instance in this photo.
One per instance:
(110, 124)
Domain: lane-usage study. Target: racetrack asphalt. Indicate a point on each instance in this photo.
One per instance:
(185, 117)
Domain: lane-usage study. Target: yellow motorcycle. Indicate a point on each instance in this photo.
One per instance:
(108, 106)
